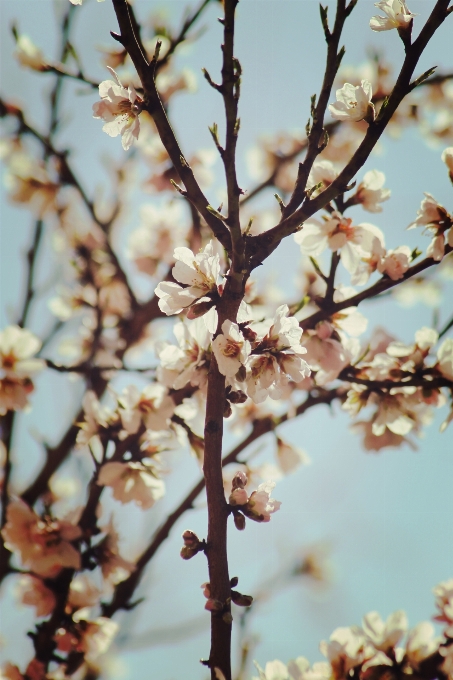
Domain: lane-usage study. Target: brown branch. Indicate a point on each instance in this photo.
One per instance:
(261, 246)
(125, 590)
(315, 136)
(156, 109)
(182, 35)
(384, 284)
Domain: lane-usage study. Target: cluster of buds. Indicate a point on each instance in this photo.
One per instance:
(192, 545)
(258, 506)
(224, 608)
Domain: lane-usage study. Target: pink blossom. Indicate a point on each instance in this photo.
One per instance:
(119, 108)
(396, 262)
(17, 365)
(32, 591)
(152, 406)
(43, 544)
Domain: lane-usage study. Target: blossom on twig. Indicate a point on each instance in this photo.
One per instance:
(353, 103)
(397, 16)
(119, 108)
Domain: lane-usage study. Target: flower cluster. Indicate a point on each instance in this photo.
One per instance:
(259, 506)
(374, 650)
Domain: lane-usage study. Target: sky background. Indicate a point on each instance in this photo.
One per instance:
(385, 518)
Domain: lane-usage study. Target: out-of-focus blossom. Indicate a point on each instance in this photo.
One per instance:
(397, 15)
(290, 457)
(353, 103)
(120, 109)
(444, 601)
(322, 171)
(385, 635)
(445, 358)
(230, 348)
(346, 649)
(155, 240)
(199, 273)
(371, 192)
(132, 482)
(421, 643)
(114, 567)
(90, 638)
(33, 592)
(27, 54)
(447, 157)
(79, 2)
(152, 406)
(17, 365)
(97, 418)
(43, 544)
(28, 183)
(418, 290)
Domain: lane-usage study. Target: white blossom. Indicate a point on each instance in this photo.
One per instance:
(445, 358)
(199, 273)
(421, 643)
(188, 362)
(385, 635)
(322, 171)
(120, 109)
(230, 349)
(371, 192)
(260, 505)
(397, 14)
(395, 263)
(353, 103)
(346, 648)
(152, 406)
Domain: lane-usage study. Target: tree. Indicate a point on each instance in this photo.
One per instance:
(239, 358)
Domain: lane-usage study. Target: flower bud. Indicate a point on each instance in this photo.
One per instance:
(241, 376)
(227, 617)
(241, 600)
(227, 411)
(239, 521)
(234, 581)
(238, 397)
(190, 539)
(213, 605)
(187, 553)
(206, 589)
(199, 309)
(238, 497)
(239, 480)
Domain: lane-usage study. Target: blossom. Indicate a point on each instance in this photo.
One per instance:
(29, 183)
(43, 544)
(385, 636)
(97, 418)
(188, 363)
(338, 233)
(17, 365)
(155, 240)
(114, 567)
(353, 103)
(444, 601)
(274, 357)
(447, 157)
(290, 457)
(322, 171)
(32, 591)
(132, 482)
(397, 16)
(346, 649)
(260, 505)
(395, 263)
(119, 108)
(199, 273)
(230, 349)
(445, 358)
(421, 643)
(79, 2)
(437, 221)
(152, 406)
(370, 192)
(27, 54)
(89, 638)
